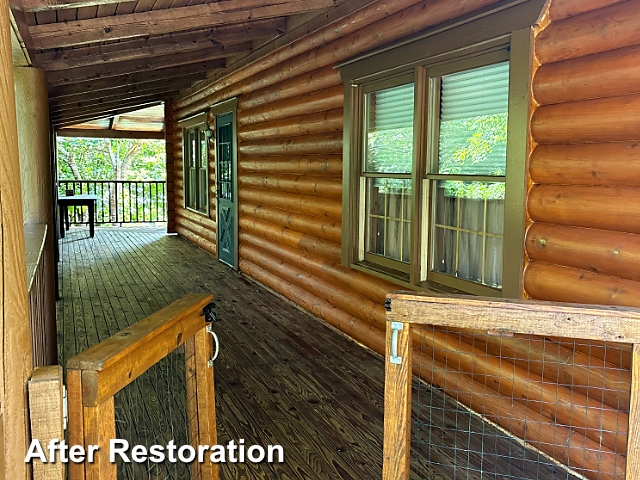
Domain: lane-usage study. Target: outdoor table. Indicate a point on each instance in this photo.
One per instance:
(77, 201)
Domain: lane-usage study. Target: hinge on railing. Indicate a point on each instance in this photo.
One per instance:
(65, 412)
(394, 358)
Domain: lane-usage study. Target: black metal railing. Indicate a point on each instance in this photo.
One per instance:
(119, 201)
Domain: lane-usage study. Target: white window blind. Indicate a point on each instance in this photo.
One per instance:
(473, 117)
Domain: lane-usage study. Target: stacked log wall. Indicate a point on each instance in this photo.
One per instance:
(289, 181)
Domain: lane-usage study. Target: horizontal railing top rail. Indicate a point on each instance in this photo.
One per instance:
(446, 341)
(119, 201)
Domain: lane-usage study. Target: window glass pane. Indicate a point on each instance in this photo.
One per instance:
(388, 224)
(473, 121)
(468, 230)
(389, 130)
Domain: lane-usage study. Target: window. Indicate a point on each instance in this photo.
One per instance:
(467, 175)
(435, 166)
(196, 162)
(388, 158)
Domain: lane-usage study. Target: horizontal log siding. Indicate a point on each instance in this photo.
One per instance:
(583, 239)
(290, 166)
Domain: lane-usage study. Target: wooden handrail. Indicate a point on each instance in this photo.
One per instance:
(531, 317)
(97, 374)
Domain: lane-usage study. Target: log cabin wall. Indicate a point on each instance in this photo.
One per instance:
(290, 163)
(582, 206)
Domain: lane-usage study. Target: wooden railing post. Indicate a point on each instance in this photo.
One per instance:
(633, 436)
(397, 401)
(75, 411)
(99, 429)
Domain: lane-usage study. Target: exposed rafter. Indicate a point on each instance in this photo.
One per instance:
(138, 72)
(158, 22)
(97, 115)
(208, 56)
(123, 93)
(160, 45)
(111, 106)
(133, 81)
(103, 133)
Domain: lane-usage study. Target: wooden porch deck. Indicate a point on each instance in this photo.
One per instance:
(282, 376)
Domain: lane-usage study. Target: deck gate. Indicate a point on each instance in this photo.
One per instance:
(556, 381)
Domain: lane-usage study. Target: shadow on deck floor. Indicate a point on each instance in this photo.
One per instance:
(282, 376)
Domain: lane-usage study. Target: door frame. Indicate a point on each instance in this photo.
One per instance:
(227, 106)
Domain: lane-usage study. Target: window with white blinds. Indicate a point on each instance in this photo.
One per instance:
(387, 169)
(468, 178)
(431, 175)
(473, 121)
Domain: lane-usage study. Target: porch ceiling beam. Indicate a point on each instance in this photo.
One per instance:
(80, 112)
(125, 93)
(19, 24)
(102, 133)
(67, 122)
(212, 56)
(160, 45)
(130, 83)
(158, 22)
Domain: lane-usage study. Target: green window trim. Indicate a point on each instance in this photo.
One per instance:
(487, 38)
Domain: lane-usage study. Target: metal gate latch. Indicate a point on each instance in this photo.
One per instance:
(216, 341)
(210, 316)
(394, 358)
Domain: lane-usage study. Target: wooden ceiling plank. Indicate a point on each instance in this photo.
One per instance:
(130, 78)
(127, 92)
(160, 45)
(158, 22)
(73, 112)
(110, 101)
(107, 70)
(106, 111)
(99, 115)
(135, 80)
(100, 133)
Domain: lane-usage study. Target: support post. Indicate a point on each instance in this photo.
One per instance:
(46, 416)
(397, 401)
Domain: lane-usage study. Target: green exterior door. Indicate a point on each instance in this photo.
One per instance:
(226, 184)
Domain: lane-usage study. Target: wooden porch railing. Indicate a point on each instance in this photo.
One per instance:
(97, 374)
(35, 238)
(120, 201)
(410, 315)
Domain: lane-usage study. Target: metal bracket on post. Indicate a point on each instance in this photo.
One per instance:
(394, 358)
(216, 341)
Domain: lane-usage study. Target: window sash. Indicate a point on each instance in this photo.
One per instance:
(196, 169)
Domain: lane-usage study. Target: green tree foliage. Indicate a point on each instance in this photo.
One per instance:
(110, 159)
(470, 146)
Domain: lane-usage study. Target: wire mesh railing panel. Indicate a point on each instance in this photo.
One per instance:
(153, 410)
(509, 406)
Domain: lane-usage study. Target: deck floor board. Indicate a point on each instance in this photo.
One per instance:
(283, 376)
